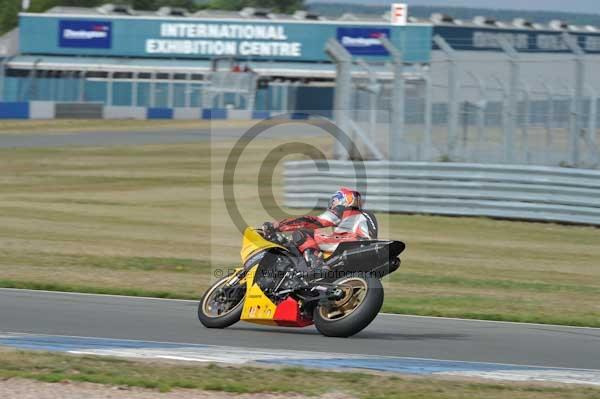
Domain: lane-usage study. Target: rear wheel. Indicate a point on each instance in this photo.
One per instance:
(361, 301)
(221, 306)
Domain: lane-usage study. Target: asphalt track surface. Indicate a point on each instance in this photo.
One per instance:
(149, 137)
(102, 316)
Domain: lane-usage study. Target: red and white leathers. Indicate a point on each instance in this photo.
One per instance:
(350, 224)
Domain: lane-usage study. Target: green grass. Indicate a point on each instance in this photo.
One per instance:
(149, 220)
(62, 126)
(164, 377)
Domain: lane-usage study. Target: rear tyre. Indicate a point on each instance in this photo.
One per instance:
(216, 310)
(355, 311)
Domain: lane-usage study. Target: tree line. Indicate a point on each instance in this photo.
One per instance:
(9, 9)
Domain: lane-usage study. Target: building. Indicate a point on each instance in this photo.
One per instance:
(118, 56)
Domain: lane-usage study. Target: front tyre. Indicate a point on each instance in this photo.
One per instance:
(362, 300)
(221, 306)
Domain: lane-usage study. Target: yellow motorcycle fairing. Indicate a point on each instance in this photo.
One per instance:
(258, 308)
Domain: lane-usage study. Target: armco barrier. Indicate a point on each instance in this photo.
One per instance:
(90, 110)
(78, 110)
(122, 112)
(87, 110)
(503, 191)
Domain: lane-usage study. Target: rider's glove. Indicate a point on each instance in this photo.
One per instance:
(269, 230)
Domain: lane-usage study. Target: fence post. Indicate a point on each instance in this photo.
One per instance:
(372, 91)
(62, 83)
(170, 89)
(153, 89)
(32, 89)
(593, 115)
(427, 151)
(505, 111)
(188, 91)
(576, 117)
(82, 85)
(513, 96)
(286, 95)
(134, 89)
(480, 106)
(342, 96)
(525, 122)
(453, 89)
(398, 108)
(109, 89)
(2, 77)
(548, 121)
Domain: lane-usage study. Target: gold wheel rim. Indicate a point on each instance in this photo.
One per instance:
(355, 290)
(208, 300)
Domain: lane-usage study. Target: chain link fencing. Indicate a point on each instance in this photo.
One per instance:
(476, 109)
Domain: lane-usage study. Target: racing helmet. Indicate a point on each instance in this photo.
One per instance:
(345, 197)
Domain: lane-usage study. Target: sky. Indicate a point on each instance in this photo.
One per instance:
(583, 6)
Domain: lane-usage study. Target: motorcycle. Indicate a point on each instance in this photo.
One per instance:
(275, 286)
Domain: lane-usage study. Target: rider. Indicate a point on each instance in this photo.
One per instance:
(344, 213)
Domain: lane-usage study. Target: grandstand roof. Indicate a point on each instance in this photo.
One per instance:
(436, 19)
(114, 64)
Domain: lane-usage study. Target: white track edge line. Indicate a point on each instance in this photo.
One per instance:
(315, 352)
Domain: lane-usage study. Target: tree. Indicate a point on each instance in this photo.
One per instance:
(9, 15)
(144, 4)
(284, 6)
(188, 4)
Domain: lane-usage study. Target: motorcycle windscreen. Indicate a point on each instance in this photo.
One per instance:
(254, 242)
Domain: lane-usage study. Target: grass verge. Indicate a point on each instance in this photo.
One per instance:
(61, 126)
(146, 220)
(49, 367)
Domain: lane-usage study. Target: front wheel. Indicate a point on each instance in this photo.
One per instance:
(362, 300)
(221, 306)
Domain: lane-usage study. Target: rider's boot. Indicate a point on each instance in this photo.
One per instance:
(316, 263)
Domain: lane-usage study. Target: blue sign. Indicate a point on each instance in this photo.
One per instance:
(84, 34)
(363, 41)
